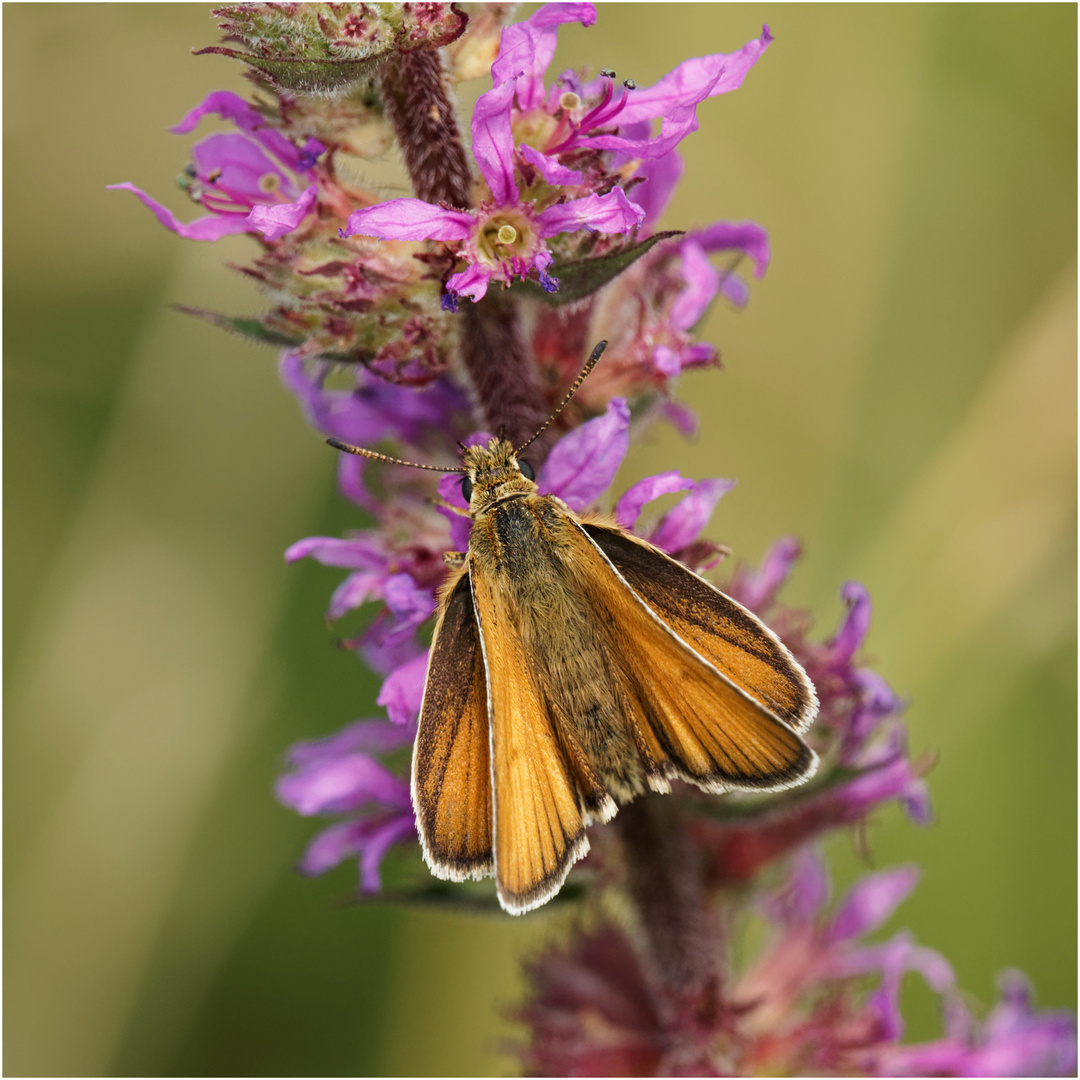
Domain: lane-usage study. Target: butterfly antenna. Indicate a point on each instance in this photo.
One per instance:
(589, 365)
(361, 452)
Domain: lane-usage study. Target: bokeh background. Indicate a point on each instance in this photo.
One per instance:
(901, 394)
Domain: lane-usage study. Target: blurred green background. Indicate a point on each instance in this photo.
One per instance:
(901, 394)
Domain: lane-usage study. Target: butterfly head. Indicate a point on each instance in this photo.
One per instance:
(494, 473)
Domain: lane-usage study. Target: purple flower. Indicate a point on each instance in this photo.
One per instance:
(582, 464)
(757, 589)
(1014, 1040)
(340, 775)
(505, 237)
(527, 49)
(703, 283)
(249, 183)
(372, 410)
(674, 100)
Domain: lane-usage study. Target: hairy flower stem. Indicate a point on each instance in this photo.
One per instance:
(418, 105)
(503, 376)
(664, 885)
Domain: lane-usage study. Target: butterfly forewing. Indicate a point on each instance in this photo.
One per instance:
(538, 826)
(715, 626)
(451, 762)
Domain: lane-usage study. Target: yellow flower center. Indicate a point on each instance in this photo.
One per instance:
(507, 234)
(269, 182)
(569, 101)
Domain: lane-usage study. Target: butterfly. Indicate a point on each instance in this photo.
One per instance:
(575, 666)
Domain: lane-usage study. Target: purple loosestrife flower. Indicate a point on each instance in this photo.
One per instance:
(815, 1000)
(572, 117)
(550, 235)
(505, 237)
(249, 183)
(338, 775)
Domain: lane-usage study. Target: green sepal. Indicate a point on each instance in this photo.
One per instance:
(251, 328)
(582, 278)
(305, 75)
(328, 48)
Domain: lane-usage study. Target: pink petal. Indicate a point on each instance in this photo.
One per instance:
(361, 736)
(695, 80)
(804, 893)
(644, 491)
(211, 227)
(357, 589)
(871, 901)
(243, 170)
(379, 842)
(682, 525)
(332, 846)
(471, 282)
(230, 106)
(526, 49)
(856, 624)
(702, 283)
(409, 603)
(354, 554)
(746, 236)
(337, 785)
(610, 213)
(409, 219)
(676, 97)
(493, 143)
(734, 289)
(275, 221)
(662, 176)
(450, 490)
(550, 169)
(351, 469)
(403, 691)
(582, 465)
(683, 419)
(757, 588)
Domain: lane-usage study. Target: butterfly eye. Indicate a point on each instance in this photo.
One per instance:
(466, 488)
(526, 470)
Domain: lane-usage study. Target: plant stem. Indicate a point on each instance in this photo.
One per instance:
(502, 373)
(663, 879)
(418, 105)
(503, 377)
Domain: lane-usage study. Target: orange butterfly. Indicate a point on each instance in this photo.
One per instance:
(573, 667)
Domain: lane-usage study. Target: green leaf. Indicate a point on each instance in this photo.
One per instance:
(251, 328)
(582, 278)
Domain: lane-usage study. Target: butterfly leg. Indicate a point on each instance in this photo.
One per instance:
(437, 500)
(454, 559)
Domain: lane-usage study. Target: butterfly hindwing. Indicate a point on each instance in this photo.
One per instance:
(451, 762)
(698, 723)
(715, 626)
